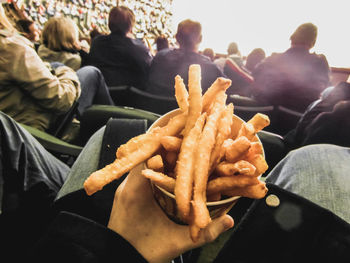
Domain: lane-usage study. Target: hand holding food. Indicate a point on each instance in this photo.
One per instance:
(203, 153)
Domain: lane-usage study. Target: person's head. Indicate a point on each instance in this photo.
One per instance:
(232, 48)
(304, 35)
(121, 20)
(209, 53)
(254, 57)
(189, 34)
(4, 21)
(60, 33)
(29, 29)
(162, 42)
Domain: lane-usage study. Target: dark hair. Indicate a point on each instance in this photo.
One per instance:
(121, 19)
(162, 42)
(254, 57)
(305, 34)
(23, 25)
(189, 33)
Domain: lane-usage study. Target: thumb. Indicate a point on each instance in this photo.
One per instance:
(215, 228)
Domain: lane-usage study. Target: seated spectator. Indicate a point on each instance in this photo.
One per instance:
(162, 43)
(294, 78)
(35, 93)
(60, 42)
(122, 59)
(254, 58)
(209, 52)
(30, 30)
(234, 54)
(171, 62)
(328, 107)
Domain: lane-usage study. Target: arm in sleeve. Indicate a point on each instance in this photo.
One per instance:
(57, 93)
(74, 238)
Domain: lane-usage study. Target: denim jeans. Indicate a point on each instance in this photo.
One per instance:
(319, 173)
(93, 89)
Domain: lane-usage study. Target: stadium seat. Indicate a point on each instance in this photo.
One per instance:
(120, 95)
(98, 115)
(64, 151)
(150, 102)
(287, 119)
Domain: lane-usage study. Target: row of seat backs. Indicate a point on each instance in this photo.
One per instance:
(282, 119)
(139, 99)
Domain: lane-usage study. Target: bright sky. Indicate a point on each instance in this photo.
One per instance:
(269, 23)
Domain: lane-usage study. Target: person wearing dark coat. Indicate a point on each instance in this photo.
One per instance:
(295, 78)
(171, 62)
(122, 59)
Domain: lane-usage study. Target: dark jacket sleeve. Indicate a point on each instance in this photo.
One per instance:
(72, 238)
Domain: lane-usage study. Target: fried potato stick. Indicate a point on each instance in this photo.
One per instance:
(195, 97)
(259, 121)
(230, 169)
(171, 143)
(160, 179)
(134, 156)
(181, 94)
(202, 158)
(256, 191)
(226, 183)
(184, 169)
(237, 148)
(155, 163)
(224, 131)
(220, 84)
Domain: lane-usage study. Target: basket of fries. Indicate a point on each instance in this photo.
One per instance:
(200, 158)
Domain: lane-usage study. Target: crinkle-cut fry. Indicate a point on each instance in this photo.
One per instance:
(195, 97)
(256, 191)
(247, 130)
(259, 121)
(171, 143)
(160, 179)
(147, 146)
(237, 148)
(220, 84)
(184, 169)
(202, 158)
(155, 163)
(226, 183)
(181, 94)
(260, 163)
(230, 169)
(255, 148)
(224, 131)
(98, 179)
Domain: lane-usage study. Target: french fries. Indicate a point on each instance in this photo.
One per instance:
(203, 154)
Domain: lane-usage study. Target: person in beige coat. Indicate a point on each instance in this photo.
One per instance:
(34, 93)
(60, 42)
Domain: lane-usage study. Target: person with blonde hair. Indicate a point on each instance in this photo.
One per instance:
(60, 42)
(36, 93)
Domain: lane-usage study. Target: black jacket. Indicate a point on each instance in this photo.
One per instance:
(122, 60)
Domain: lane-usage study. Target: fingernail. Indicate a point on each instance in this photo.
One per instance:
(228, 222)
